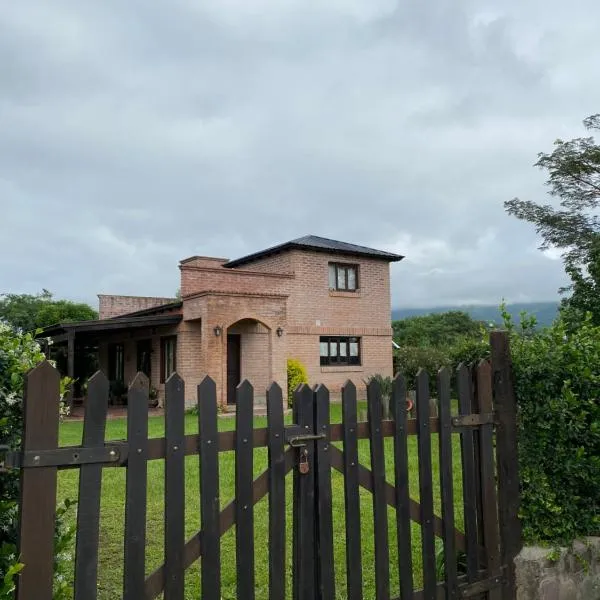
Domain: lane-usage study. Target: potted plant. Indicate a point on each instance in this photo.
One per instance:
(118, 390)
(153, 397)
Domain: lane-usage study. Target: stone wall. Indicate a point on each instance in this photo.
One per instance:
(565, 574)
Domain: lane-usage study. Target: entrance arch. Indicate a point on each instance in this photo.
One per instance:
(249, 355)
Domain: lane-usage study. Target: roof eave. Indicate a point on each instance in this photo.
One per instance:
(109, 324)
(388, 257)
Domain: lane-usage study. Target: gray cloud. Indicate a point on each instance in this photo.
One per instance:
(135, 134)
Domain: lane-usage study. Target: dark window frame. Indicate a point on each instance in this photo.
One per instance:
(164, 341)
(344, 268)
(144, 356)
(340, 356)
(116, 361)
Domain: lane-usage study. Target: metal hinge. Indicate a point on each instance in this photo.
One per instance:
(474, 420)
(110, 454)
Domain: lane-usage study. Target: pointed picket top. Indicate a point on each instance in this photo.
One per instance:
(321, 388)
(398, 400)
(399, 379)
(422, 379)
(462, 368)
(244, 398)
(140, 382)
(275, 403)
(274, 388)
(207, 385)
(374, 388)
(245, 387)
(98, 381)
(174, 386)
(444, 378)
(484, 365)
(302, 389)
(44, 368)
(463, 380)
(444, 372)
(348, 386)
(484, 385)
(321, 395)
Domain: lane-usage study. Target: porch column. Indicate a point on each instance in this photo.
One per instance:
(70, 366)
(71, 354)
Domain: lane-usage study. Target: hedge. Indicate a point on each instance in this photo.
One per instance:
(18, 354)
(557, 385)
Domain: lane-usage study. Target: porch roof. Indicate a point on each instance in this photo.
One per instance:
(63, 329)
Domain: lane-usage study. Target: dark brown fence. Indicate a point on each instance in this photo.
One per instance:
(311, 448)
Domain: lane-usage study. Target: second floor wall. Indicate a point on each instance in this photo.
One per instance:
(324, 290)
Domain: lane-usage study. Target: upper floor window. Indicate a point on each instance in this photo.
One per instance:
(343, 277)
(339, 351)
(168, 357)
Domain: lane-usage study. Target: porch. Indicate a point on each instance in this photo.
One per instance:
(120, 347)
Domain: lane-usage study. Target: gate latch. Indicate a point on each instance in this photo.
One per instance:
(297, 437)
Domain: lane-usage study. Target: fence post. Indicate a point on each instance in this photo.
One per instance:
(37, 508)
(505, 406)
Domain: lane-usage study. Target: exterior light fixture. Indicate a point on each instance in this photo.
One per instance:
(218, 330)
(279, 331)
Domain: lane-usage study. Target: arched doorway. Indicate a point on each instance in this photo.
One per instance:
(248, 356)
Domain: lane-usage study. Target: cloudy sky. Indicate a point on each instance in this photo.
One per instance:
(134, 134)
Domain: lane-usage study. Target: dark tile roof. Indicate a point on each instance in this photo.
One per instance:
(318, 244)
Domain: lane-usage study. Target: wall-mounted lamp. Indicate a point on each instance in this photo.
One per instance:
(218, 330)
(279, 332)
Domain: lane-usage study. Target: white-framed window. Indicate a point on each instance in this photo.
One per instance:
(343, 277)
(339, 350)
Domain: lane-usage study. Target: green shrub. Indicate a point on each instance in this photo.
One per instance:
(18, 354)
(557, 385)
(296, 374)
(469, 351)
(409, 359)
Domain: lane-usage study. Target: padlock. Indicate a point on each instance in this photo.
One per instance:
(303, 464)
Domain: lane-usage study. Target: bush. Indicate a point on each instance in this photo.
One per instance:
(469, 351)
(557, 384)
(386, 385)
(409, 359)
(296, 374)
(18, 354)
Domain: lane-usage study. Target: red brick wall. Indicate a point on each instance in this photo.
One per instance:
(288, 290)
(376, 357)
(197, 279)
(114, 306)
(226, 310)
(311, 300)
(276, 263)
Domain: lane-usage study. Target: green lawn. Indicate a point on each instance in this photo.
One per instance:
(112, 513)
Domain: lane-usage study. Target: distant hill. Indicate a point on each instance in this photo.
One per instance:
(545, 312)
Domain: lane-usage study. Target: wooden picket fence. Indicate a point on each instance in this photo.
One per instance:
(310, 448)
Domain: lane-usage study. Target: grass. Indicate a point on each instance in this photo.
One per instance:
(110, 569)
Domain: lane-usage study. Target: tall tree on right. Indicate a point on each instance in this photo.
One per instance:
(574, 227)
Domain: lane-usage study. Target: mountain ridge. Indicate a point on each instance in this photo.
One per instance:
(545, 312)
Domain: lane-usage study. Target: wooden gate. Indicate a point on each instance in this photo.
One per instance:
(312, 448)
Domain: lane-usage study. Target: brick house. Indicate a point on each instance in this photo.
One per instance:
(323, 302)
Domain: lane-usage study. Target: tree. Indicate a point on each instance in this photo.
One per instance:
(26, 312)
(435, 330)
(574, 177)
